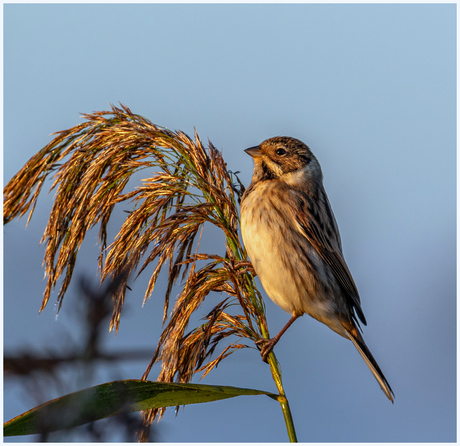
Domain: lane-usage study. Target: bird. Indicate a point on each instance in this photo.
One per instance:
(293, 242)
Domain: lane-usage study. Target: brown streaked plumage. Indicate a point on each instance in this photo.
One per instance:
(293, 241)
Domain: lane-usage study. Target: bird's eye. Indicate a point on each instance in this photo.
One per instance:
(281, 152)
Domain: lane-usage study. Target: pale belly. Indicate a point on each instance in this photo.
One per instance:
(283, 274)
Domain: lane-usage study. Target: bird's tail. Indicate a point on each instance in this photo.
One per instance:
(358, 341)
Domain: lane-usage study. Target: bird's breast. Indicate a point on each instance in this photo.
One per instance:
(288, 266)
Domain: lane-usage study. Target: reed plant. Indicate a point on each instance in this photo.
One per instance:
(188, 188)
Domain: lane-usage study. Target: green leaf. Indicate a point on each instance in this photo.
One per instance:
(114, 398)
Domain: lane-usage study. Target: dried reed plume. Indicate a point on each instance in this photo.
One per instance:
(92, 163)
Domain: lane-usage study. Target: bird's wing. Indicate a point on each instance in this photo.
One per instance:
(318, 225)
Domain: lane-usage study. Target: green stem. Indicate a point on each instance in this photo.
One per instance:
(276, 373)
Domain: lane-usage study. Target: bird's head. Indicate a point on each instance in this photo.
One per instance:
(286, 159)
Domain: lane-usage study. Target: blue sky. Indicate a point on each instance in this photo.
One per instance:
(370, 88)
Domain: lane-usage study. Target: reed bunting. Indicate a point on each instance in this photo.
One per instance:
(293, 242)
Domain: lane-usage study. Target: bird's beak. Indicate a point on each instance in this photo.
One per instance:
(254, 151)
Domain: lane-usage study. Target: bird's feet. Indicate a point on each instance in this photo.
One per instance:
(266, 346)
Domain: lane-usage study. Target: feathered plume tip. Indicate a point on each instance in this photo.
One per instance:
(190, 186)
